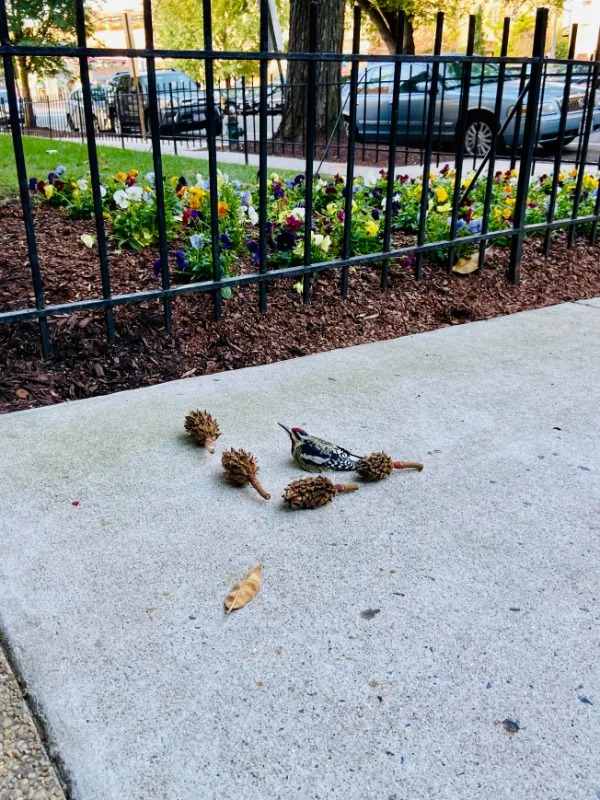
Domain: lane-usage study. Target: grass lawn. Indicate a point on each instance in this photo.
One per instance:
(111, 160)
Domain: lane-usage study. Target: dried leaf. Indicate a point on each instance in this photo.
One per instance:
(468, 264)
(244, 591)
(22, 394)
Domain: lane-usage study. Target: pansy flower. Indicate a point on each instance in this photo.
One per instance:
(225, 241)
(180, 258)
(285, 241)
(253, 247)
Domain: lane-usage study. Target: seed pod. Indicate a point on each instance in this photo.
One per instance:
(203, 429)
(378, 466)
(242, 468)
(314, 492)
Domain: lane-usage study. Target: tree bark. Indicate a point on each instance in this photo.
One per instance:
(23, 78)
(330, 36)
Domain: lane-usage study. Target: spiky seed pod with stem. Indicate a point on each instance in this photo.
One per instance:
(314, 492)
(378, 466)
(203, 429)
(242, 468)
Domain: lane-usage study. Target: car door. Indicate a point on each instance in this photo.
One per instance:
(373, 109)
(126, 101)
(413, 101)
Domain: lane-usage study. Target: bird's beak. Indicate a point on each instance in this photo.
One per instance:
(287, 430)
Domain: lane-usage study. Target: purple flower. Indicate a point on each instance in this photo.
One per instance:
(475, 226)
(293, 223)
(395, 206)
(33, 184)
(156, 268)
(341, 216)
(298, 180)
(180, 258)
(285, 241)
(252, 246)
(375, 213)
(181, 183)
(278, 191)
(226, 242)
(328, 228)
(330, 189)
(52, 176)
(406, 261)
(377, 193)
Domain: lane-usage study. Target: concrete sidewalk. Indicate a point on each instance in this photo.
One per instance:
(431, 636)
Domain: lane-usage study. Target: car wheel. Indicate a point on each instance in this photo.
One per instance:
(347, 130)
(71, 123)
(479, 135)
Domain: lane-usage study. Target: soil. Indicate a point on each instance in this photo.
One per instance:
(83, 364)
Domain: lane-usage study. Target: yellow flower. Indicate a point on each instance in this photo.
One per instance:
(561, 176)
(174, 181)
(507, 213)
(74, 185)
(443, 209)
(573, 173)
(590, 183)
(49, 190)
(372, 228)
(507, 189)
(148, 189)
(441, 194)
(510, 201)
(133, 173)
(514, 173)
(194, 202)
(121, 177)
(222, 208)
(331, 209)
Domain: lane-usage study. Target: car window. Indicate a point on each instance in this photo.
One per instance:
(376, 80)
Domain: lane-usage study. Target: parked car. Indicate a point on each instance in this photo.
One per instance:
(4, 110)
(181, 104)
(239, 99)
(76, 112)
(374, 106)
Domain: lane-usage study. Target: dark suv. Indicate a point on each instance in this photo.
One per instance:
(181, 104)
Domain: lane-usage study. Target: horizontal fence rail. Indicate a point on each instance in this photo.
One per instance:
(492, 120)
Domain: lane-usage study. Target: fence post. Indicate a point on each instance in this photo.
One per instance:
(529, 144)
(88, 126)
(347, 245)
(262, 153)
(13, 106)
(311, 124)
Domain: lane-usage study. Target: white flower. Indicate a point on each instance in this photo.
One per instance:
(82, 184)
(60, 170)
(299, 212)
(150, 178)
(102, 191)
(135, 193)
(121, 199)
(252, 215)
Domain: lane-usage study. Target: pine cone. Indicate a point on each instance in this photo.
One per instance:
(203, 428)
(314, 492)
(375, 467)
(242, 468)
(378, 466)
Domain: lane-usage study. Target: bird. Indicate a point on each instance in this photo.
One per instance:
(316, 455)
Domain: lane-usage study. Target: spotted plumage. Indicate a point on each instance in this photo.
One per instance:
(317, 455)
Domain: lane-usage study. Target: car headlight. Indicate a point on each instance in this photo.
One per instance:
(547, 108)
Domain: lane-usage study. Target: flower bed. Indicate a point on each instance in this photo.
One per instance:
(129, 206)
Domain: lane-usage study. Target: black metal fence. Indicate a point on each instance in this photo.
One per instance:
(481, 112)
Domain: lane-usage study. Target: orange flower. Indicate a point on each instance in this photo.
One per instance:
(133, 173)
(121, 176)
(194, 202)
(222, 207)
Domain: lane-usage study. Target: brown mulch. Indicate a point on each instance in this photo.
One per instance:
(84, 365)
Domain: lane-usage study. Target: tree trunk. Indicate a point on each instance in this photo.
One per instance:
(385, 22)
(330, 36)
(23, 78)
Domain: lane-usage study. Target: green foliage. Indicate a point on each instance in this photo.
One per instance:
(235, 26)
(130, 210)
